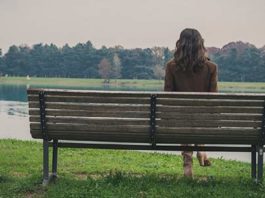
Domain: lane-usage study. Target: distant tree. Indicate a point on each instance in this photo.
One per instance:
(236, 61)
(116, 67)
(104, 70)
(159, 72)
(167, 55)
(1, 64)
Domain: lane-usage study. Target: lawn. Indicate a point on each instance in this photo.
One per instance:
(109, 173)
(121, 84)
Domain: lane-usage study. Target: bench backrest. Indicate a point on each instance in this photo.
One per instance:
(144, 117)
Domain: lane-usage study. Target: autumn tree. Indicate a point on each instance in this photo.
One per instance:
(104, 70)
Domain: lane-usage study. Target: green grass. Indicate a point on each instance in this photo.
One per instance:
(83, 83)
(124, 84)
(109, 173)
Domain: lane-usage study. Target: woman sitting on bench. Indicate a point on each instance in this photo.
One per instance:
(191, 71)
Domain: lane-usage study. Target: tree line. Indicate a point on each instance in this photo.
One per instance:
(237, 62)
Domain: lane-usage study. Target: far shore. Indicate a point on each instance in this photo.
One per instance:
(138, 84)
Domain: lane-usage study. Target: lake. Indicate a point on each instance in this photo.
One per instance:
(14, 121)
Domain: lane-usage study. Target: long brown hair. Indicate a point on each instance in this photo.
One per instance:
(190, 54)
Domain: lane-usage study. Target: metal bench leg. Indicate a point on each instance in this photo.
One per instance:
(254, 162)
(45, 162)
(54, 158)
(260, 163)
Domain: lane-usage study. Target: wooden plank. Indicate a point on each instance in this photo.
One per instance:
(93, 128)
(67, 92)
(173, 139)
(92, 99)
(209, 140)
(93, 121)
(92, 107)
(168, 116)
(62, 92)
(208, 123)
(191, 109)
(209, 116)
(201, 130)
(167, 147)
(93, 133)
(202, 137)
(92, 137)
(81, 113)
(209, 102)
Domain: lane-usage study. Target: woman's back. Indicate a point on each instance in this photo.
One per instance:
(204, 80)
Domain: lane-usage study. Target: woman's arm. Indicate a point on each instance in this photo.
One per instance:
(213, 80)
(169, 80)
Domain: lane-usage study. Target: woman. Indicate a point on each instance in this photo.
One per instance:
(191, 71)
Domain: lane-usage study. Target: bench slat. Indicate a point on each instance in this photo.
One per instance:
(93, 128)
(78, 120)
(94, 136)
(92, 107)
(209, 116)
(146, 100)
(207, 130)
(164, 123)
(163, 109)
(169, 116)
(207, 123)
(141, 138)
(60, 92)
(206, 109)
(200, 139)
(145, 129)
(81, 113)
(209, 102)
(91, 99)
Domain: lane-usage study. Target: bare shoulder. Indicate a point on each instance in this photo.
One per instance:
(212, 66)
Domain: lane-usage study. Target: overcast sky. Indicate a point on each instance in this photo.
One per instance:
(130, 23)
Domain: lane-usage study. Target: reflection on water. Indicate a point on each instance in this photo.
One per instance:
(13, 108)
(14, 121)
(13, 92)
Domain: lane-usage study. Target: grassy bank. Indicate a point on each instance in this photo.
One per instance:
(102, 173)
(83, 83)
(119, 84)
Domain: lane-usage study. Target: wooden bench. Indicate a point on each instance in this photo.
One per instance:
(147, 121)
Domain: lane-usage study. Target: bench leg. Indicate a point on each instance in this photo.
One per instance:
(254, 162)
(54, 158)
(260, 163)
(45, 162)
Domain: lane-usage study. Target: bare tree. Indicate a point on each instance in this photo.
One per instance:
(116, 68)
(159, 72)
(104, 70)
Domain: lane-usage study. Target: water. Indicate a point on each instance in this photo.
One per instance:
(14, 120)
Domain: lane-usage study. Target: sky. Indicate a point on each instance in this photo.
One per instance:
(130, 23)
